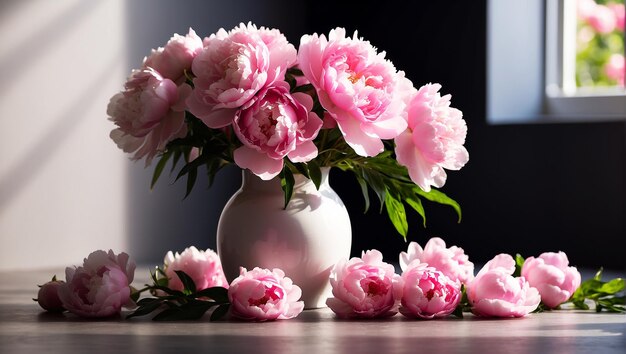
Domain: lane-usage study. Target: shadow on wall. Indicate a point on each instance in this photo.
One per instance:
(160, 220)
(33, 161)
(65, 125)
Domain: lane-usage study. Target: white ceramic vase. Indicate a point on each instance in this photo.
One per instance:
(305, 240)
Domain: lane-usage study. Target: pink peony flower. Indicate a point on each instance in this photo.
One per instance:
(550, 274)
(453, 262)
(172, 60)
(100, 287)
(363, 287)
(614, 68)
(496, 293)
(360, 89)
(585, 8)
(620, 14)
(434, 139)
(48, 296)
(426, 293)
(233, 67)
(262, 295)
(149, 113)
(602, 19)
(272, 125)
(204, 268)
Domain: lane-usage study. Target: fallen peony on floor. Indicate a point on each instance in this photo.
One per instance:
(25, 328)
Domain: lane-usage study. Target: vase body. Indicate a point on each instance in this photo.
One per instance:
(305, 240)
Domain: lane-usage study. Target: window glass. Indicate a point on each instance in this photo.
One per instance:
(600, 43)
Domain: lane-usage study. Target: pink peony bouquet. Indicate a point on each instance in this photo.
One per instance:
(248, 97)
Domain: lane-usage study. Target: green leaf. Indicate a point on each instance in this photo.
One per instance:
(303, 88)
(169, 291)
(416, 204)
(162, 282)
(191, 170)
(192, 310)
(134, 294)
(160, 271)
(216, 293)
(388, 166)
(219, 312)
(286, 183)
(458, 311)
(146, 308)
(195, 164)
(598, 275)
(464, 305)
(365, 191)
(315, 173)
(177, 155)
(519, 263)
(602, 293)
(148, 300)
(213, 166)
(291, 81)
(612, 287)
(159, 168)
(191, 180)
(609, 307)
(189, 286)
(612, 303)
(302, 168)
(581, 305)
(397, 214)
(591, 286)
(441, 198)
(295, 71)
(375, 181)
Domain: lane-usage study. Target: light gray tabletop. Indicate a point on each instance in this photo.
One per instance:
(24, 328)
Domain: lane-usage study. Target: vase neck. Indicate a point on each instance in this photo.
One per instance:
(250, 181)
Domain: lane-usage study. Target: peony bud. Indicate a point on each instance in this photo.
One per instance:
(48, 296)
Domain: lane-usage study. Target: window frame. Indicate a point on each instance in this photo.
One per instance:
(524, 47)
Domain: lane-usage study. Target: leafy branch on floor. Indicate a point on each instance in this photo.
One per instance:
(188, 304)
(606, 295)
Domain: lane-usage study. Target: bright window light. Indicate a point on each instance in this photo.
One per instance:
(555, 61)
(585, 60)
(599, 39)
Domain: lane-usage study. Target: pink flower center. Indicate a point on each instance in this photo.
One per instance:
(102, 270)
(369, 82)
(374, 287)
(272, 294)
(354, 78)
(267, 120)
(436, 287)
(81, 284)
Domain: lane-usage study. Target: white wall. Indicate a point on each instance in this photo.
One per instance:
(65, 188)
(62, 181)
